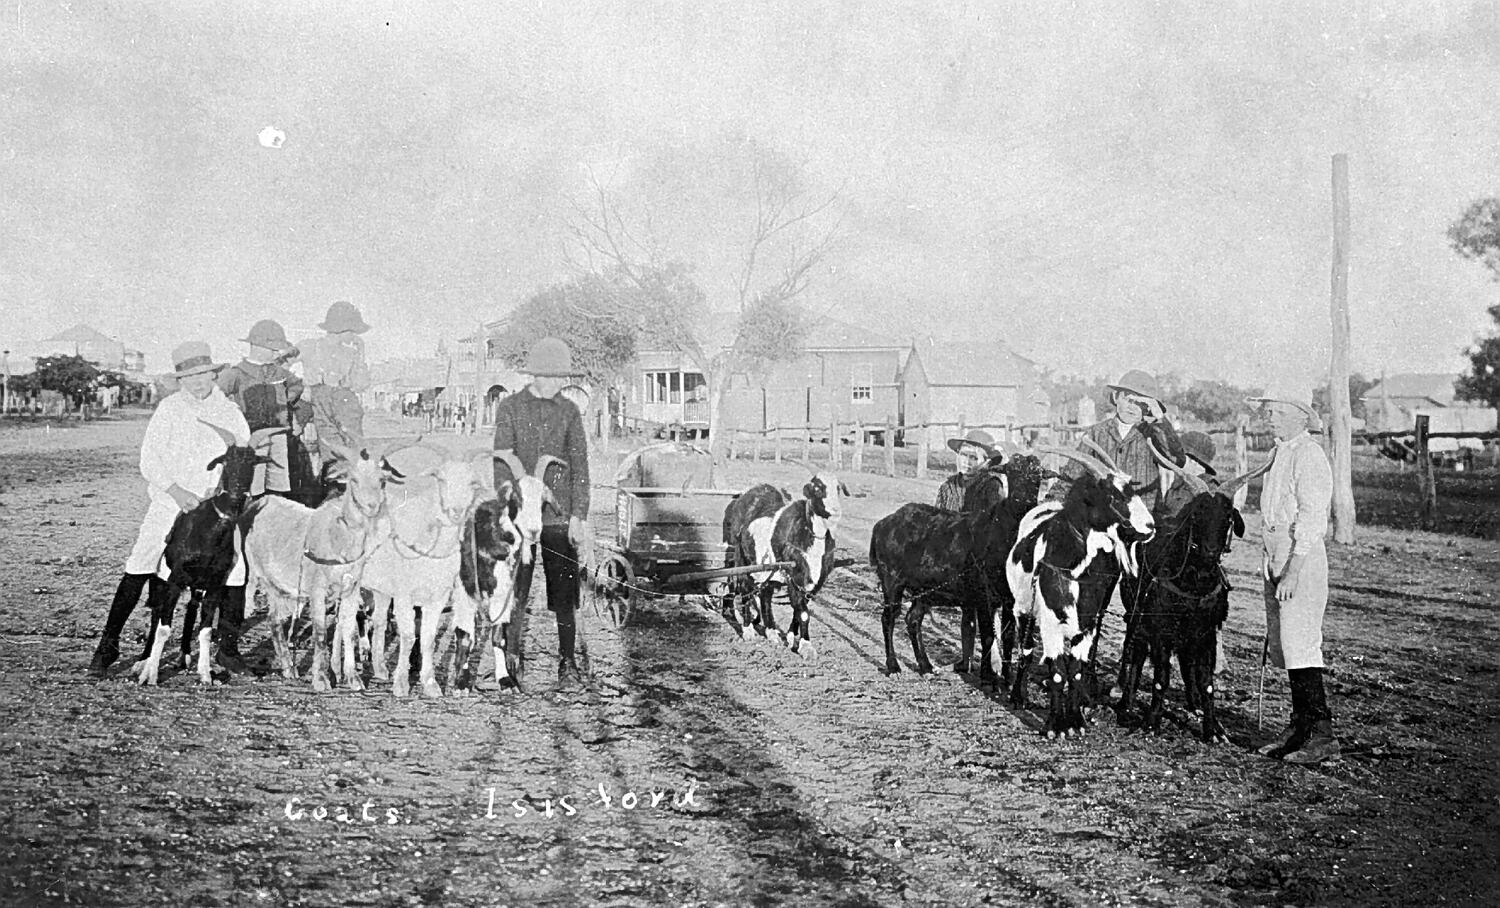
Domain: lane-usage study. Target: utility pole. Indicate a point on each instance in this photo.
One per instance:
(5, 395)
(1338, 371)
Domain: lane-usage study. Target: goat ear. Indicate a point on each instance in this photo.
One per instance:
(1238, 523)
(843, 489)
(215, 462)
(388, 468)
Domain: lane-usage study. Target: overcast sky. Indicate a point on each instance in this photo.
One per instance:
(1099, 185)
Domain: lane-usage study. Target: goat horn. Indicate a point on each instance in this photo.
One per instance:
(509, 458)
(228, 436)
(1093, 463)
(1229, 488)
(397, 445)
(545, 461)
(1193, 482)
(1104, 457)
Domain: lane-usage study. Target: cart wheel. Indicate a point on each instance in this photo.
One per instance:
(614, 588)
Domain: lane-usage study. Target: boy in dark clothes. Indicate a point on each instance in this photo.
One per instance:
(534, 421)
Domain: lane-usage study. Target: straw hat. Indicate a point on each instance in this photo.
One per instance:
(191, 358)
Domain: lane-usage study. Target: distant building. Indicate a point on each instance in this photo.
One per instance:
(984, 384)
(94, 346)
(1393, 405)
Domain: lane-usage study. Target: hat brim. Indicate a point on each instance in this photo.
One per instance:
(1136, 391)
(274, 345)
(360, 328)
(958, 444)
(1207, 467)
(198, 370)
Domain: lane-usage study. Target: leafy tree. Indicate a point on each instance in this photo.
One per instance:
(577, 310)
(71, 376)
(1476, 235)
(1483, 381)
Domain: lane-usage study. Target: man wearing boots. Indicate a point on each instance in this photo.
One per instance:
(1294, 502)
(174, 457)
(534, 421)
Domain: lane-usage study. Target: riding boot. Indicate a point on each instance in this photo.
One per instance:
(568, 671)
(1320, 743)
(1296, 731)
(127, 594)
(231, 621)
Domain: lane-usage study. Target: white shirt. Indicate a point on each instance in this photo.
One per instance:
(178, 447)
(1297, 493)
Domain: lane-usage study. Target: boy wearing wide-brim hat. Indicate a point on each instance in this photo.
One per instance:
(334, 368)
(1127, 435)
(1295, 497)
(534, 421)
(975, 443)
(270, 396)
(180, 442)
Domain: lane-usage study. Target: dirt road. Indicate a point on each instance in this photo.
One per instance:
(700, 770)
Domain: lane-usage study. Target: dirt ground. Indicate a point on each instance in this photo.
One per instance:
(730, 773)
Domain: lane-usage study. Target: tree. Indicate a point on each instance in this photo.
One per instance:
(1212, 401)
(578, 311)
(774, 267)
(1476, 235)
(1483, 381)
(71, 376)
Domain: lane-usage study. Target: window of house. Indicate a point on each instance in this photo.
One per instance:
(656, 387)
(861, 383)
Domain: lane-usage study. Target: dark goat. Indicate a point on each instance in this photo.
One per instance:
(1056, 543)
(938, 557)
(764, 526)
(1183, 601)
(200, 553)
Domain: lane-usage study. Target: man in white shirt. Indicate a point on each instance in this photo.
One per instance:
(1294, 502)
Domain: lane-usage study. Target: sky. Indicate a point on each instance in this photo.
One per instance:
(1100, 186)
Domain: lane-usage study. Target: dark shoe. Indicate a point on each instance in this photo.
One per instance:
(230, 659)
(1319, 745)
(104, 656)
(568, 672)
(1290, 740)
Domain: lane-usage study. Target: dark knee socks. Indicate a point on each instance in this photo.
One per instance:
(127, 594)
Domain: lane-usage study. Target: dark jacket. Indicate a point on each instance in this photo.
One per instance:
(532, 426)
(266, 393)
(1131, 453)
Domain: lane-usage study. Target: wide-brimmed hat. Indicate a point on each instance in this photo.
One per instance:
(344, 316)
(977, 438)
(1200, 447)
(1294, 401)
(550, 357)
(1139, 383)
(191, 358)
(268, 333)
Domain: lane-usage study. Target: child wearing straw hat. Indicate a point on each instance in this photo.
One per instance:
(181, 439)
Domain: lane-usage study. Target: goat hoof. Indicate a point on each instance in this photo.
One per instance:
(401, 688)
(355, 684)
(431, 690)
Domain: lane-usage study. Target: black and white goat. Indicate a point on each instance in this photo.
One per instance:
(1055, 544)
(941, 557)
(200, 553)
(1183, 600)
(765, 526)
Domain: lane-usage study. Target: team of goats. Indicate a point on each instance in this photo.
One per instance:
(1009, 563)
(415, 544)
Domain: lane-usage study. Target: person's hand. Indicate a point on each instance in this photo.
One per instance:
(1286, 587)
(1151, 408)
(186, 500)
(582, 537)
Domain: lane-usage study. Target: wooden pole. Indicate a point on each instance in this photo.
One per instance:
(858, 465)
(890, 447)
(755, 446)
(778, 445)
(807, 444)
(1338, 367)
(922, 452)
(835, 453)
(1241, 461)
(1426, 482)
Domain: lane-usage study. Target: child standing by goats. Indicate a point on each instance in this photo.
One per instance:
(335, 371)
(270, 396)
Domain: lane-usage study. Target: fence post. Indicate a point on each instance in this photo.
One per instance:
(807, 445)
(890, 447)
(960, 460)
(859, 447)
(729, 441)
(1426, 482)
(755, 445)
(835, 453)
(922, 444)
(778, 444)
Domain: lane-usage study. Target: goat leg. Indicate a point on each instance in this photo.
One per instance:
(432, 617)
(1025, 628)
(208, 605)
(347, 639)
(318, 611)
(1161, 665)
(163, 596)
(984, 616)
(379, 621)
(914, 619)
(891, 593)
(965, 663)
(1057, 697)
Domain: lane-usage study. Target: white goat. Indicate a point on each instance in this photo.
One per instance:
(292, 551)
